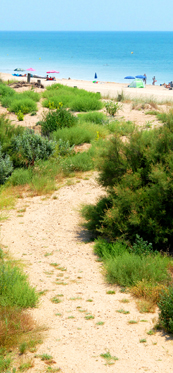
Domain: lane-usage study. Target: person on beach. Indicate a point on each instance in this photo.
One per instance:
(145, 79)
(154, 80)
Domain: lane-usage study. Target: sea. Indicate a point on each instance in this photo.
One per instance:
(79, 55)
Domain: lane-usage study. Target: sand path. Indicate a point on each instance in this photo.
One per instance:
(49, 232)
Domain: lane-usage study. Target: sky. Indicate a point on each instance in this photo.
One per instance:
(86, 15)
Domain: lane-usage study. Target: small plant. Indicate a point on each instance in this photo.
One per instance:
(89, 300)
(55, 300)
(123, 311)
(151, 332)
(132, 322)
(110, 292)
(142, 340)
(112, 108)
(100, 323)
(20, 115)
(22, 348)
(26, 365)
(89, 317)
(46, 357)
(124, 300)
(166, 309)
(109, 357)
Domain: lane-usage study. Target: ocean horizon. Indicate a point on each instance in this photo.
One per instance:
(81, 54)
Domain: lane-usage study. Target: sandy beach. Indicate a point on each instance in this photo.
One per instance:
(107, 89)
(46, 235)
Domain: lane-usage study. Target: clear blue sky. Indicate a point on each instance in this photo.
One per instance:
(86, 15)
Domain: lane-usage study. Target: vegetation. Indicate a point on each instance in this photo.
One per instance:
(72, 98)
(138, 178)
(57, 119)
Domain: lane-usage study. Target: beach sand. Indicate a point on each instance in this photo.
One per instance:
(49, 231)
(107, 89)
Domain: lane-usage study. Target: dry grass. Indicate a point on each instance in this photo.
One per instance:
(148, 292)
(14, 323)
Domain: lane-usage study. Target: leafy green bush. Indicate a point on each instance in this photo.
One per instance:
(85, 104)
(57, 119)
(112, 107)
(82, 133)
(5, 90)
(128, 269)
(14, 288)
(6, 167)
(29, 147)
(93, 117)
(20, 115)
(139, 180)
(166, 309)
(20, 176)
(26, 105)
(78, 162)
(74, 99)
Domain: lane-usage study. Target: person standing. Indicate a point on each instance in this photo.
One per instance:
(145, 79)
(154, 80)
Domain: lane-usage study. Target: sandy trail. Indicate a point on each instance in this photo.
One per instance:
(49, 232)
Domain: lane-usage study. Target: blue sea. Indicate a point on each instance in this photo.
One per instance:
(79, 55)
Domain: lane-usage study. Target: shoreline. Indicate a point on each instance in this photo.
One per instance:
(106, 89)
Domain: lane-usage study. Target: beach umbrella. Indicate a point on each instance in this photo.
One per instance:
(129, 77)
(30, 69)
(52, 72)
(95, 76)
(140, 76)
(19, 69)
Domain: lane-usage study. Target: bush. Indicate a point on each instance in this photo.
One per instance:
(57, 119)
(85, 104)
(29, 147)
(14, 288)
(6, 167)
(26, 105)
(128, 269)
(166, 309)
(112, 107)
(93, 117)
(139, 180)
(20, 116)
(74, 99)
(20, 176)
(79, 134)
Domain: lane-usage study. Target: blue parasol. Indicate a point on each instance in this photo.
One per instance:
(95, 76)
(129, 77)
(140, 76)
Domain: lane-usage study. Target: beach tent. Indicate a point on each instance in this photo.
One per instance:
(137, 83)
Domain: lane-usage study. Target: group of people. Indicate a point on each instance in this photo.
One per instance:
(153, 80)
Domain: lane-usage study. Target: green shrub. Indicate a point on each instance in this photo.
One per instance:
(86, 104)
(14, 288)
(74, 99)
(26, 105)
(166, 309)
(79, 134)
(78, 162)
(6, 90)
(139, 180)
(93, 117)
(6, 167)
(128, 269)
(30, 147)
(57, 119)
(112, 107)
(20, 115)
(20, 176)
(7, 131)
